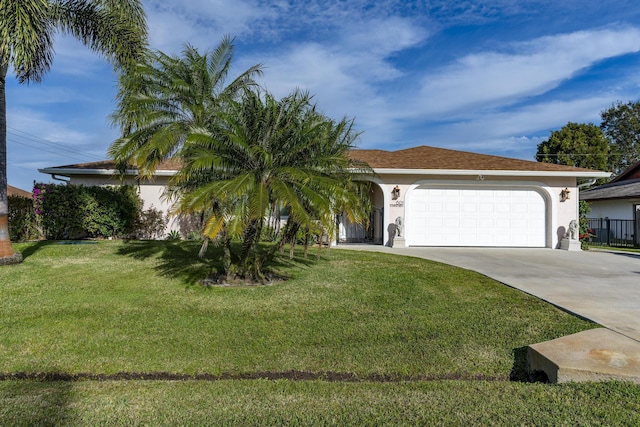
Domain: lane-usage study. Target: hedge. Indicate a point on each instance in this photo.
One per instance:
(24, 224)
(76, 211)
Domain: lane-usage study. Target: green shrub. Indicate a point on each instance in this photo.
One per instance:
(23, 221)
(191, 225)
(150, 224)
(174, 235)
(59, 208)
(75, 211)
(583, 210)
(110, 212)
(194, 235)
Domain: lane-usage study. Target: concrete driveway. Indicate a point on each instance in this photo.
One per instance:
(600, 286)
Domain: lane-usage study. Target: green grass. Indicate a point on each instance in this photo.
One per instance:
(136, 307)
(614, 248)
(249, 403)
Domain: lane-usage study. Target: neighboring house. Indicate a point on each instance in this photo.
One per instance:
(427, 196)
(615, 208)
(618, 199)
(15, 191)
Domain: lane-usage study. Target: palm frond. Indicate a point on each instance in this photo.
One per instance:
(26, 38)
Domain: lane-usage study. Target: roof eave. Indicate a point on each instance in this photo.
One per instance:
(629, 197)
(468, 172)
(380, 171)
(106, 172)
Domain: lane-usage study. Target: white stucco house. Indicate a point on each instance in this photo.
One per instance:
(618, 199)
(435, 196)
(615, 208)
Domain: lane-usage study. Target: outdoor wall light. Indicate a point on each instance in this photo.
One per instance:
(395, 193)
(564, 194)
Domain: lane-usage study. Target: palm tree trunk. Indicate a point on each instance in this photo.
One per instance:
(226, 257)
(250, 244)
(7, 254)
(306, 241)
(321, 237)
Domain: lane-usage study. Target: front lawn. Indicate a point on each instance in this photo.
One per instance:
(353, 337)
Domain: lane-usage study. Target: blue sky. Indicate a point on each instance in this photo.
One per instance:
(492, 77)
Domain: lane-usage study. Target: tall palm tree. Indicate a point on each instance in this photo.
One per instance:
(264, 153)
(167, 96)
(113, 28)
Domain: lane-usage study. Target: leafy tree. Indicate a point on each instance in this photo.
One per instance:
(576, 144)
(114, 28)
(266, 154)
(621, 124)
(167, 96)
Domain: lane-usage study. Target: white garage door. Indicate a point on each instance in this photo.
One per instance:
(504, 217)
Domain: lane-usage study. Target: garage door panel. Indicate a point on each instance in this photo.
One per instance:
(435, 223)
(452, 207)
(470, 207)
(469, 224)
(505, 217)
(435, 207)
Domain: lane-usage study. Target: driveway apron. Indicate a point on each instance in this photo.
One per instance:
(601, 286)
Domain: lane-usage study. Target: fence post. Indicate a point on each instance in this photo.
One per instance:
(636, 234)
(607, 225)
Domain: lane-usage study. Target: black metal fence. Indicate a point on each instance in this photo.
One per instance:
(613, 232)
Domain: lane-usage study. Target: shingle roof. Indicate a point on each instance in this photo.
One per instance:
(15, 191)
(614, 190)
(632, 172)
(425, 157)
(419, 158)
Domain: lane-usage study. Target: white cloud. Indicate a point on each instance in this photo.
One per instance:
(346, 75)
(342, 84)
(358, 58)
(382, 37)
(513, 133)
(43, 95)
(75, 59)
(202, 23)
(41, 127)
(492, 79)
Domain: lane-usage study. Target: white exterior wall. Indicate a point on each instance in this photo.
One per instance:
(559, 213)
(613, 209)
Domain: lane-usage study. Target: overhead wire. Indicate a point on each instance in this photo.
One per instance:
(68, 152)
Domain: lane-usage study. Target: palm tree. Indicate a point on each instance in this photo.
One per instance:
(167, 96)
(114, 28)
(265, 153)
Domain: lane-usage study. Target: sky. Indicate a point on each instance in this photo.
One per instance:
(493, 77)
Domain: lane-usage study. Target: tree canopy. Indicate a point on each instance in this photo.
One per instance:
(166, 96)
(113, 28)
(613, 146)
(576, 144)
(266, 155)
(621, 124)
